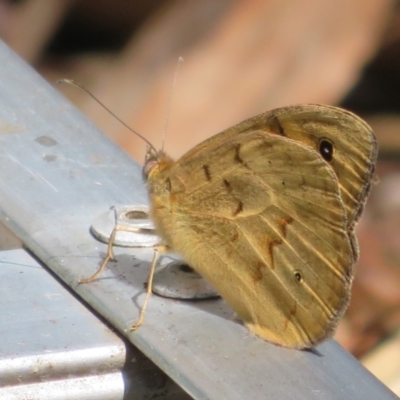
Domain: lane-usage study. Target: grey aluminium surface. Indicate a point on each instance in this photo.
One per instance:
(53, 347)
(57, 174)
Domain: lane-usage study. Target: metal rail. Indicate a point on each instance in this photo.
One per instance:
(53, 347)
(57, 174)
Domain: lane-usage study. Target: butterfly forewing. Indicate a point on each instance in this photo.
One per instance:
(354, 147)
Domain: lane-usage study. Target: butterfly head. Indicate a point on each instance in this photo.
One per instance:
(156, 164)
(150, 162)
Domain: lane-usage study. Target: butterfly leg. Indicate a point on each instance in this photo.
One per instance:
(149, 290)
(110, 255)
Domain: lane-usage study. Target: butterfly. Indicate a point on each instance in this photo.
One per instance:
(266, 212)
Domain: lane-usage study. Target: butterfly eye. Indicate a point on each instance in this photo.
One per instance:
(148, 167)
(298, 276)
(326, 149)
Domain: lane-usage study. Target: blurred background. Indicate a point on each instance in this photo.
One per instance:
(240, 59)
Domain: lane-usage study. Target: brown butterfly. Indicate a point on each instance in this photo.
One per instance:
(266, 210)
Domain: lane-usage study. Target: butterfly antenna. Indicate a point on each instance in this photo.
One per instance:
(78, 85)
(178, 64)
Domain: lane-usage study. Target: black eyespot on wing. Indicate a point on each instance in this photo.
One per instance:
(325, 148)
(298, 276)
